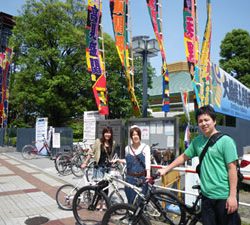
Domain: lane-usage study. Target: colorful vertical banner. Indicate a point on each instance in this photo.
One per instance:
(187, 135)
(204, 75)
(119, 16)
(94, 57)
(184, 98)
(5, 77)
(192, 45)
(153, 8)
(2, 56)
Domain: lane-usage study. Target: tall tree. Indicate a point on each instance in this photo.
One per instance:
(235, 53)
(50, 79)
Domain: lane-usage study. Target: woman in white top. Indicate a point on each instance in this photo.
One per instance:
(137, 159)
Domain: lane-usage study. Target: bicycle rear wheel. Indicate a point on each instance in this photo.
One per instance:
(118, 196)
(124, 214)
(91, 172)
(29, 152)
(63, 164)
(65, 195)
(165, 208)
(86, 202)
(76, 163)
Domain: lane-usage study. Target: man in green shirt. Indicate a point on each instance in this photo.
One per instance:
(218, 171)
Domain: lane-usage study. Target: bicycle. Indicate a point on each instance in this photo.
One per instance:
(157, 206)
(66, 193)
(31, 151)
(87, 201)
(152, 150)
(94, 197)
(161, 156)
(70, 161)
(78, 158)
(92, 169)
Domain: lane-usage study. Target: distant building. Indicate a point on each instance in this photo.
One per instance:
(179, 81)
(6, 25)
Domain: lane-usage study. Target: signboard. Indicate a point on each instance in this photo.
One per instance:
(89, 125)
(163, 131)
(41, 133)
(229, 96)
(56, 141)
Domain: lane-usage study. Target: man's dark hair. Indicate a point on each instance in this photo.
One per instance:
(206, 109)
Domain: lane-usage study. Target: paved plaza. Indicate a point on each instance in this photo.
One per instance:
(28, 189)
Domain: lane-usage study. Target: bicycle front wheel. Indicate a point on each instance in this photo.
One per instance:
(65, 195)
(165, 208)
(29, 152)
(86, 202)
(124, 214)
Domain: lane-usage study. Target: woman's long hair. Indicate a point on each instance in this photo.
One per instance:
(107, 130)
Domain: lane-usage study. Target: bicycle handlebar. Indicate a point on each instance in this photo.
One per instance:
(154, 144)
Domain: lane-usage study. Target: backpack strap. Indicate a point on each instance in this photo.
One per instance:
(137, 158)
(212, 140)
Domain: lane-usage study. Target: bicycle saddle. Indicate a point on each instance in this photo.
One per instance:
(198, 187)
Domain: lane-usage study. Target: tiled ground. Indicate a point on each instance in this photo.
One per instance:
(27, 192)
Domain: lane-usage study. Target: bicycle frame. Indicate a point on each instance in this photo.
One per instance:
(194, 211)
(45, 145)
(145, 199)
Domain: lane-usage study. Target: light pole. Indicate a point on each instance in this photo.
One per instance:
(145, 47)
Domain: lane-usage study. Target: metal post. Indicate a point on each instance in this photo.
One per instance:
(142, 47)
(145, 84)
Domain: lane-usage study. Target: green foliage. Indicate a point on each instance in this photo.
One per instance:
(77, 127)
(235, 53)
(245, 80)
(50, 77)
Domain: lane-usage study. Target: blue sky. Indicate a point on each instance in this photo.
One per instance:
(226, 15)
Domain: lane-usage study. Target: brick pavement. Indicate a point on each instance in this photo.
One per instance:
(27, 192)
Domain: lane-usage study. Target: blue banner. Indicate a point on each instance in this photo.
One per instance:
(229, 96)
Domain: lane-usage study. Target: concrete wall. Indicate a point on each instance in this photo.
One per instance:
(240, 133)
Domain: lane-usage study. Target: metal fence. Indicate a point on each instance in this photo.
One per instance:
(18, 137)
(8, 136)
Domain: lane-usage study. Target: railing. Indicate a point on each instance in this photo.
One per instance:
(191, 170)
